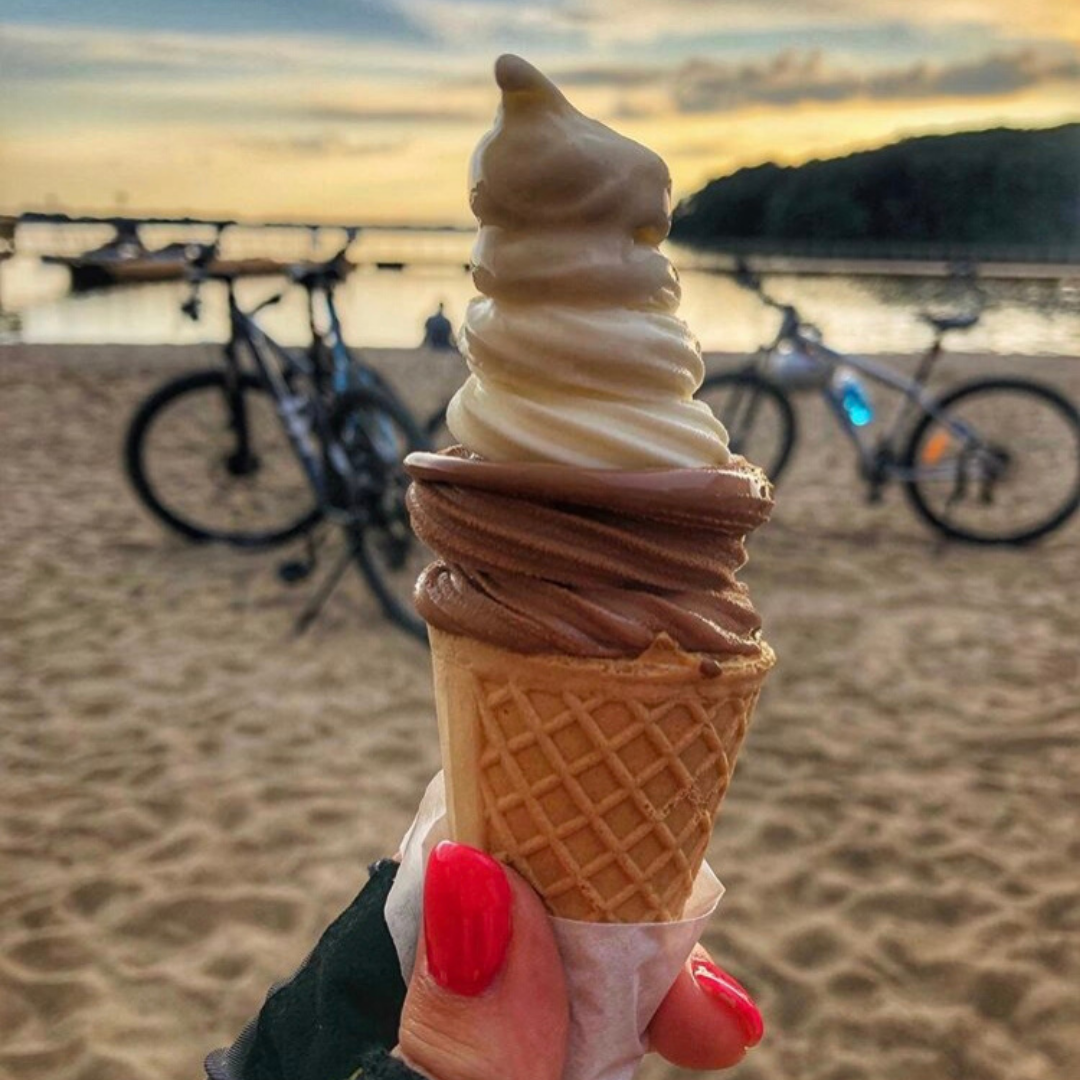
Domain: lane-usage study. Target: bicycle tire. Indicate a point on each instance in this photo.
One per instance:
(385, 550)
(727, 391)
(1003, 449)
(136, 452)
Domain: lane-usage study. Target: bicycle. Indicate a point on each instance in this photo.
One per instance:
(261, 450)
(985, 446)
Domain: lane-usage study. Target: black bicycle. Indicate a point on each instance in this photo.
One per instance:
(275, 442)
(991, 461)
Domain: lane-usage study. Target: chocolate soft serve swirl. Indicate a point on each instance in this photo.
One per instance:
(587, 562)
(593, 506)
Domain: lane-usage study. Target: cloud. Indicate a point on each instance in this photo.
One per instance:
(168, 75)
(794, 76)
(377, 113)
(1002, 73)
(382, 20)
(791, 77)
(481, 26)
(83, 54)
(635, 22)
(321, 146)
(614, 75)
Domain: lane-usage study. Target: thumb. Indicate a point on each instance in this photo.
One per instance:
(487, 999)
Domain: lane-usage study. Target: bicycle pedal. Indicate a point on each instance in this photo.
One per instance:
(294, 571)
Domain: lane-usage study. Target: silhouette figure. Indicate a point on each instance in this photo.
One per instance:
(438, 333)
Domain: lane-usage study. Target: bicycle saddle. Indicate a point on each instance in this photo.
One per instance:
(941, 323)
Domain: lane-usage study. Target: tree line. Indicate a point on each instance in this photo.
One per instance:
(1000, 187)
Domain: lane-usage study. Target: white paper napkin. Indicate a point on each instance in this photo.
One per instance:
(617, 974)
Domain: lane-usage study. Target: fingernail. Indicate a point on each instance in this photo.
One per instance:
(466, 918)
(730, 994)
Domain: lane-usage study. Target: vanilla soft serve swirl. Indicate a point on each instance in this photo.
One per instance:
(575, 351)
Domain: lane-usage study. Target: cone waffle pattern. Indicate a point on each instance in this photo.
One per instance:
(603, 797)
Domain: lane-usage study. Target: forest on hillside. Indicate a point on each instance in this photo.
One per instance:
(1001, 187)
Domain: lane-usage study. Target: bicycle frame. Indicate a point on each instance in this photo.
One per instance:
(877, 456)
(277, 367)
(347, 373)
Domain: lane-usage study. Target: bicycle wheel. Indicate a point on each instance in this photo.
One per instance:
(998, 464)
(211, 460)
(376, 433)
(758, 416)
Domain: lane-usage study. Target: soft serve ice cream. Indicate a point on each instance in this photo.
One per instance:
(596, 661)
(593, 506)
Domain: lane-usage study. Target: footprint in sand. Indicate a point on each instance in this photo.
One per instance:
(998, 994)
(183, 920)
(1060, 912)
(15, 1013)
(51, 952)
(852, 985)
(35, 1062)
(776, 836)
(92, 897)
(102, 1067)
(813, 947)
(228, 968)
(55, 1000)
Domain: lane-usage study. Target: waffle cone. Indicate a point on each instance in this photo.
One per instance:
(597, 780)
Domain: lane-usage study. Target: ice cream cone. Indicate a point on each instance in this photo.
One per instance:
(598, 780)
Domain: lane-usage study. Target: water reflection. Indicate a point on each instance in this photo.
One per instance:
(383, 308)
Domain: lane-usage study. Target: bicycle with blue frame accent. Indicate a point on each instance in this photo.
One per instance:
(990, 461)
(276, 443)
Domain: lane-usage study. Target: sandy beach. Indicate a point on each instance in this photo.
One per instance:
(188, 794)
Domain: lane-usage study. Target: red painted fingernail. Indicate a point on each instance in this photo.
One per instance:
(466, 918)
(725, 990)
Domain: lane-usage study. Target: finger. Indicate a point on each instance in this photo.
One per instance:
(487, 999)
(707, 1020)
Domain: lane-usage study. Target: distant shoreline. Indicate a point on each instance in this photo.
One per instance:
(709, 260)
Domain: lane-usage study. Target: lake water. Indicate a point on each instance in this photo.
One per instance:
(387, 308)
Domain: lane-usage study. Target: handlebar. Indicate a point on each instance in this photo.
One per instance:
(199, 258)
(321, 275)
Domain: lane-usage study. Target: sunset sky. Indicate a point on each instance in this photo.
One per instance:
(366, 110)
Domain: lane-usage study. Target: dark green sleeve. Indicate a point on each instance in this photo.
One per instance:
(339, 1014)
(380, 1066)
